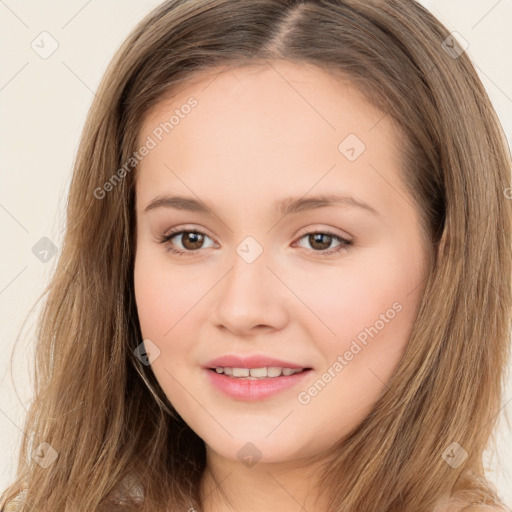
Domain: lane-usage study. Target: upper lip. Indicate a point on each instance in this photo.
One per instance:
(254, 361)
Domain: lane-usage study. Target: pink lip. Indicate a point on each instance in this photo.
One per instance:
(252, 390)
(232, 361)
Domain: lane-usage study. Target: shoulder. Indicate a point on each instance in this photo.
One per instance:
(484, 508)
(15, 504)
(128, 491)
(458, 505)
(480, 508)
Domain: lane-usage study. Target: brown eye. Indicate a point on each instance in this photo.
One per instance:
(321, 241)
(192, 240)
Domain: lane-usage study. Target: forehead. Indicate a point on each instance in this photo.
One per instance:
(270, 92)
(265, 128)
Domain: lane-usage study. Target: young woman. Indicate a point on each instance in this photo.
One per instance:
(285, 280)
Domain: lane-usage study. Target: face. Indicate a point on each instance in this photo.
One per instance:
(297, 247)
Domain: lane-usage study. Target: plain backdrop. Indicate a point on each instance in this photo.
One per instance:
(43, 105)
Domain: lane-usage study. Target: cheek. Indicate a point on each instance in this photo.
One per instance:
(166, 303)
(345, 302)
(163, 295)
(366, 317)
(372, 322)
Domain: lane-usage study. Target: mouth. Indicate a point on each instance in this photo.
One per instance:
(266, 372)
(255, 384)
(254, 377)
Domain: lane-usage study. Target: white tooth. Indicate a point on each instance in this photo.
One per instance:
(228, 371)
(240, 372)
(219, 369)
(290, 371)
(258, 372)
(274, 371)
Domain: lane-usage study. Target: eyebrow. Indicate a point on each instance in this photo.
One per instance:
(287, 206)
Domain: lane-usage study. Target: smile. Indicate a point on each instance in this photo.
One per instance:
(257, 373)
(252, 384)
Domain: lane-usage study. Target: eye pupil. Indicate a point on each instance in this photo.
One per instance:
(317, 237)
(195, 238)
(191, 241)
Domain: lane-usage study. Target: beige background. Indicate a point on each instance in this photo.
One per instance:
(43, 104)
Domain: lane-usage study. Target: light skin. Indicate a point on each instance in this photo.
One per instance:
(256, 137)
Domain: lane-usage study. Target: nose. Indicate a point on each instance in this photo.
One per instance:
(250, 297)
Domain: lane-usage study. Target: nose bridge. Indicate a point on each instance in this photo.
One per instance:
(249, 295)
(247, 282)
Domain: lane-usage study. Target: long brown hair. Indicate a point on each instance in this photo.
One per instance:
(102, 410)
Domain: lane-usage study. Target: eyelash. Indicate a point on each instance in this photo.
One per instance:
(344, 244)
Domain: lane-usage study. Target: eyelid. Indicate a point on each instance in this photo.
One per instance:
(345, 241)
(185, 227)
(177, 230)
(301, 233)
(332, 231)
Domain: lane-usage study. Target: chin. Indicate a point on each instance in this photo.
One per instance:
(260, 448)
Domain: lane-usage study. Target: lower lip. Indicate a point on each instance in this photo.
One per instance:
(258, 389)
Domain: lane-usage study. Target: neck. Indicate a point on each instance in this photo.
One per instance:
(230, 485)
